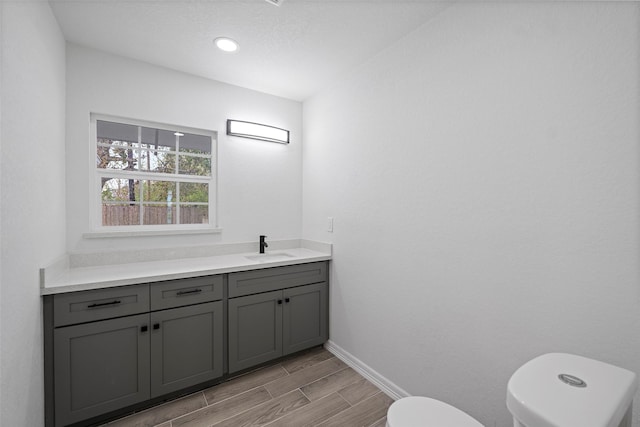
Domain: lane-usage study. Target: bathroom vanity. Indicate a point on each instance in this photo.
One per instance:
(115, 349)
(276, 312)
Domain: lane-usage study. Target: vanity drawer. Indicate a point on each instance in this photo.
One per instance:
(99, 304)
(270, 279)
(177, 293)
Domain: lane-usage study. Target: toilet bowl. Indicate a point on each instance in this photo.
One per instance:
(553, 390)
(417, 411)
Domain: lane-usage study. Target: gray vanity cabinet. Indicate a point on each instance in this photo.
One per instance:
(288, 316)
(100, 367)
(113, 348)
(186, 347)
(305, 317)
(255, 330)
(187, 333)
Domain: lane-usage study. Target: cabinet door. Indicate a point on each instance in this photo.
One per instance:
(186, 347)
(100, 367)
(255, 329)
(305, 317)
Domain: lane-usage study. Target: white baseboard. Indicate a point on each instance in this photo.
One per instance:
(388, 387)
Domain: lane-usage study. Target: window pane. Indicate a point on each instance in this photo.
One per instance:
(159, 137)
(158, 214)
(194, 214)
(158, 150)
(190, 165)
(159, 206)
(120, 214)
(116, 155)
(119, 190)
(120, 202)
(157, 159)
(117, 131)
(194, 192)
(197, 144)
(159, 191)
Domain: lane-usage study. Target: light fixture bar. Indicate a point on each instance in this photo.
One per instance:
(257, 131)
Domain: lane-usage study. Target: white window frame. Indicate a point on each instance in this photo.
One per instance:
(98, 230)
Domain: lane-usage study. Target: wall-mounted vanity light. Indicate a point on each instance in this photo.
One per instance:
(257, 131)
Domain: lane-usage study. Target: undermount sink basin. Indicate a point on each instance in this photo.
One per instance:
(269, 257)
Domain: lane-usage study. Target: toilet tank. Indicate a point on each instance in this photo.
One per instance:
(565, 390)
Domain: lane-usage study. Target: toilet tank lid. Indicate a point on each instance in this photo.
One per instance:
(560, 390)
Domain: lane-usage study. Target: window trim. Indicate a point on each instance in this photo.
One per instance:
(95, 201)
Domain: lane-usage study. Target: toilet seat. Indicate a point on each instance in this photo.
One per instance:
(418, 411)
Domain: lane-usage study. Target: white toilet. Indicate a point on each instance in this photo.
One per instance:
(553, 390)
(564, 390)
(418, 411)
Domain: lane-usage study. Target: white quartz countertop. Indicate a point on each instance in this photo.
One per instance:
(66, 279)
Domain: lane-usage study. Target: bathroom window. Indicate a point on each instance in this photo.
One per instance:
(152, 176)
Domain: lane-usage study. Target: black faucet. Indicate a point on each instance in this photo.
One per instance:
(263, 244)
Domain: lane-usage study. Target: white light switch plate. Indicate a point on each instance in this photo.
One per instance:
(330, 224)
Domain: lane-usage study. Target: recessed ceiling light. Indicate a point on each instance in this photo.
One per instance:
(226, 44)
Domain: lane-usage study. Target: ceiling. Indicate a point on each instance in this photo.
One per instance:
(292, 50)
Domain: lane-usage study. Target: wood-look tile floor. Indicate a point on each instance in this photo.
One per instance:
(311, 389)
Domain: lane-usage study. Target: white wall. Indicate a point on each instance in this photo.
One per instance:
(260, 183)
(32, 214)
(484, 178)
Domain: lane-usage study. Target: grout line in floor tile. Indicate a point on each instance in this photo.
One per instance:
(353, 406)
(244, 391)
(276, 379)
(302, 409)
(244, 374)
(269, 393)
(307, 397)
(223, 400)
(322, 361)
(242, 411)
(252, 407)
(348, 403)
(156, 407)
(376, 421)
(211, 425)
(318, 379)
